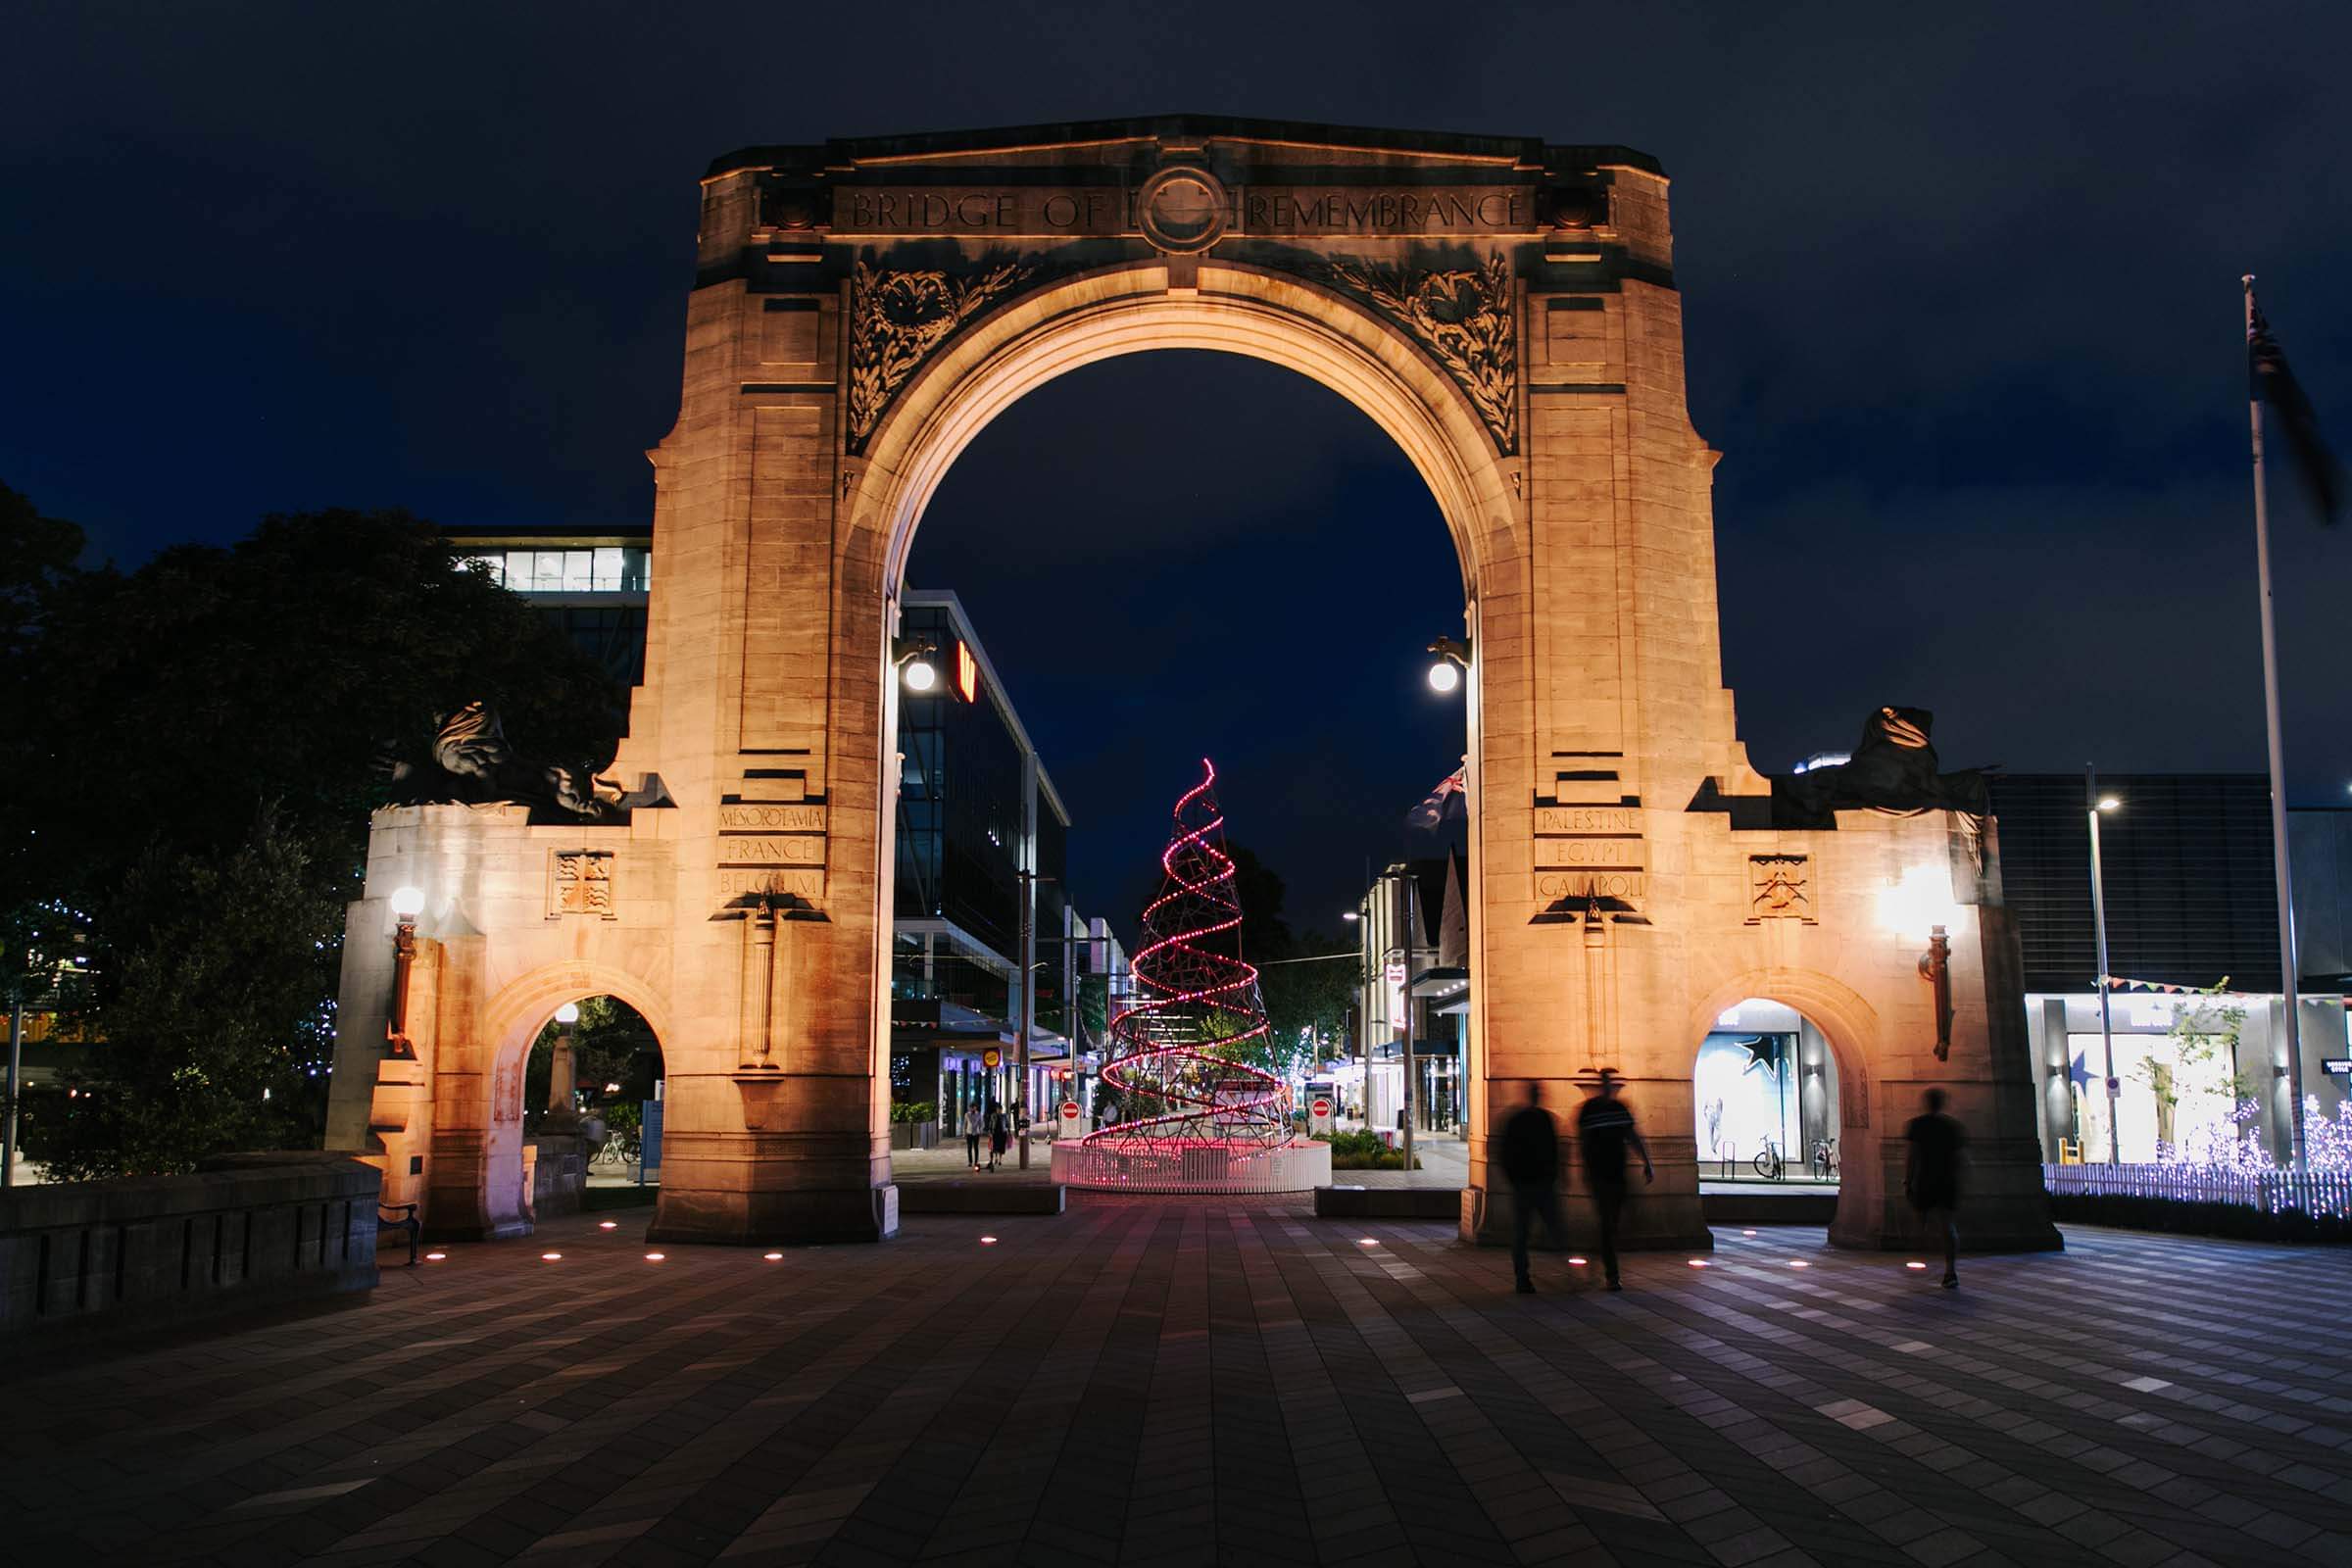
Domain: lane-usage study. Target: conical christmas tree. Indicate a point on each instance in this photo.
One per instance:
(1178, 1047)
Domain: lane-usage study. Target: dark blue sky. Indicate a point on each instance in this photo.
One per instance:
(1960, 289)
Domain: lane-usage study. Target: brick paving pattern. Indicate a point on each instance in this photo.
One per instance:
(1177, 1381)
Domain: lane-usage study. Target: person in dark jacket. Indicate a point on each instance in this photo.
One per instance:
(1604, 1128)
(1000, 1136)
(1931, 1178)
(1530, 1164)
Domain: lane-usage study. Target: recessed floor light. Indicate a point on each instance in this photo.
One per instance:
(1697, 1262)
(607, 1225)
(434, 1257)
(551, 1257)
(655, 1258)
(1798, 1262)
(1576, 1262)
(773, 1257)
(988, 1241)
(1748, 1232)
(1915, 1265)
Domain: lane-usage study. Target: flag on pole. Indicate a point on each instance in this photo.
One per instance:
(1444, 803)
(2275, 384)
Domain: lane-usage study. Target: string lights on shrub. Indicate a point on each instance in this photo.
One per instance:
(1196, 1010)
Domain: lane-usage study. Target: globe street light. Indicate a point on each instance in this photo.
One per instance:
(1445, 670)
(914, 667)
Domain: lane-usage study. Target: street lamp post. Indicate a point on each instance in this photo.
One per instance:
(1407, 1099)
(563, 1076)
(2094, 802)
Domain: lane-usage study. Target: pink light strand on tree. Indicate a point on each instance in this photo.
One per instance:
(1196, 1007)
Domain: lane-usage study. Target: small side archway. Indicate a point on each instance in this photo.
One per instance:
(1847, 1029)
(478, 1182)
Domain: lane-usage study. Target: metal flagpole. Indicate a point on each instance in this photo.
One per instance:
(2290, 973)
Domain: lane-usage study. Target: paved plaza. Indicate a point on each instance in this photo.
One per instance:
(1187, 1380)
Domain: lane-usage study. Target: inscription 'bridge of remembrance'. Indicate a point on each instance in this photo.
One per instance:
(1505, 310)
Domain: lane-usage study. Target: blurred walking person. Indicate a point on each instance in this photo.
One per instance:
(1604, 1128)
(1931, 1178)
(1530, 1164)
(972, 1127)
(1000, 1136)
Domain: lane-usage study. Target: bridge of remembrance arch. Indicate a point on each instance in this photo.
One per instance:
(1506, 310)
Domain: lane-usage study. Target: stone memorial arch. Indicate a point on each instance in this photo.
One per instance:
(1506, 310)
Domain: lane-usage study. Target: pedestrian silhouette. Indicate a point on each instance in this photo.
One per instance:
(1931, 1178)
(1530, 1164)
(1604, 1127)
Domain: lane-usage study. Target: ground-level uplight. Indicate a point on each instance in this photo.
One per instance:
(1576, 1262)
(551, 1257)
(988, 1241)
(655, 1258)
(773, 1257)
(1798, 1262)
(1697, 1263)
(607, 1225)
(434, 1257)
(1915, 1265)
(1748, 1232)
(1366, 1240)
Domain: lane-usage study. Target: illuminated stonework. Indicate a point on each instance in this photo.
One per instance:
(1506, 310)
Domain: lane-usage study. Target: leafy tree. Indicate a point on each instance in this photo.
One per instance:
(217, 1026)
(176, 698)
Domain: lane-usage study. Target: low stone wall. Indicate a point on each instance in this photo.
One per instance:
(246, 1231)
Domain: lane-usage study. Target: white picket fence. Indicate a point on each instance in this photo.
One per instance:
(2326, 1193)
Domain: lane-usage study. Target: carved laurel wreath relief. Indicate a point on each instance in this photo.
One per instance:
(1464, 318)
(898, 318)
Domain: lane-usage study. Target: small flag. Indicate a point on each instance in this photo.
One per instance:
(1444, 802)
(2273, 383)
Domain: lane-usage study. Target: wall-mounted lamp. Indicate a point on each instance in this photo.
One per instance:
(1936, 968)
(408, 902)
(1445, 670)
(913, 665)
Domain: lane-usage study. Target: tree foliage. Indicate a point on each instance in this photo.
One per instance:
(216, 1023)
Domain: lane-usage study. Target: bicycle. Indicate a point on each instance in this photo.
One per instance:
(1769, 1164)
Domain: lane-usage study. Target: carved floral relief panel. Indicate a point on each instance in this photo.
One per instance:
(1468, 321)
(898, 319)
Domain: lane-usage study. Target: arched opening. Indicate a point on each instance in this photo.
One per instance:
(1186, 503)
(596, 1073)
(531, 1162)
(1766, 1104)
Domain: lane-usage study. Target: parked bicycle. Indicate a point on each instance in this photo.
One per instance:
(1770, 1164)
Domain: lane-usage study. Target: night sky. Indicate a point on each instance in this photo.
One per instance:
(1961, 296)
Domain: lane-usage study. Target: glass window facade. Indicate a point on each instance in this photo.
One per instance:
(570, 569)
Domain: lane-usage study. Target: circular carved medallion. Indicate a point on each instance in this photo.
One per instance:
(1181, 210)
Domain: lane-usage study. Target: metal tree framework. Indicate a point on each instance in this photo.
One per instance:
(1198, 1008)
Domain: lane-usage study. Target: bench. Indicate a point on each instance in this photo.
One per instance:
(407, 1221)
